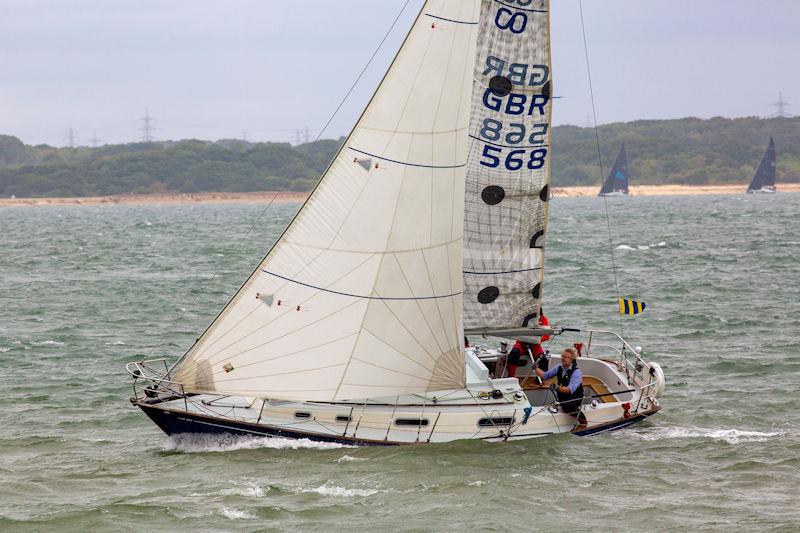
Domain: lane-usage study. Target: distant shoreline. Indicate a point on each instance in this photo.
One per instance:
(166, 198)
(296, 197)
(672, 190)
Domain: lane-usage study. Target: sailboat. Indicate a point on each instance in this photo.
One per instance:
(428, 225)
(616, 183)
(764, 180)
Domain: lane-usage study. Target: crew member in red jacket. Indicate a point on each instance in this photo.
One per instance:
(521, 349)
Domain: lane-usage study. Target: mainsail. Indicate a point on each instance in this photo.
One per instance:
(508, 172)
(765, 174)
(617, 180)
(361, 295)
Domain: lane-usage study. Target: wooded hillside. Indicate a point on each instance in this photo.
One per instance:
(684, 151)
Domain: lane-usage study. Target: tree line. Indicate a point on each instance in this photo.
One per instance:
(683, 151)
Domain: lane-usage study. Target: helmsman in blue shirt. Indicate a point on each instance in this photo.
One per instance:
(568, 386)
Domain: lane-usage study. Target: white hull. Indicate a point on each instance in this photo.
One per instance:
(613, 193)
(763, 190)
(493, 410)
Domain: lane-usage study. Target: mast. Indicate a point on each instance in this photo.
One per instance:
(508, 171)
(765, 174)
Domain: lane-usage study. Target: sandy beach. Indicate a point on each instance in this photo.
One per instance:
(294, 197)
(175, 198)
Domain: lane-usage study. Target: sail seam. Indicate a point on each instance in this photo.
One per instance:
(475, 273)
(373, 252)
(279, 317)
(419, 307)
(404, 162)
(301, 371)
(451, 20)
(273, 359)
(519, 146)
(212, 361)
(433, 297)
(387, 344)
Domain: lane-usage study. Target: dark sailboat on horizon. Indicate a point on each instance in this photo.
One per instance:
(764, 180)
(616, 183)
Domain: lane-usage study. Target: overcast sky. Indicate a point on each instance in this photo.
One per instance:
(213, 69)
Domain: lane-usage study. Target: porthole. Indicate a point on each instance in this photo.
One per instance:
(495, 421)
(411, 422)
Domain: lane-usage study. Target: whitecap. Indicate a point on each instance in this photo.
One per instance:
(349, 459)
(731, 436)
(478, 483)
(250, 490)
(3, 349)
(237, 514)
(204, 443)
(329, 489)
(47, 343)
(641, 247)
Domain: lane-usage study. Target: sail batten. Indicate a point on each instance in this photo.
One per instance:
(508, 172)
(361, 295)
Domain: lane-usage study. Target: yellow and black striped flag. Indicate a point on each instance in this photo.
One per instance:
(630, 307)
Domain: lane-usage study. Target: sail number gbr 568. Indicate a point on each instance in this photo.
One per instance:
(514, 144)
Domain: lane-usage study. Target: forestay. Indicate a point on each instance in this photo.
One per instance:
(508, 175)
(361, 296)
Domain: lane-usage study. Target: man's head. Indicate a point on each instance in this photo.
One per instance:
(568, 357)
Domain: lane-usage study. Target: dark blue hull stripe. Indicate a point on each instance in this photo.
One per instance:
(611, 426)
(173, 423)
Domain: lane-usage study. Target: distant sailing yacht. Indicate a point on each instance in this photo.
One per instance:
(764, 180)
(429, 224)
(616, 183)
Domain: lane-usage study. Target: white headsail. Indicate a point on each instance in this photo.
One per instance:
(508, 175)
(361, 296)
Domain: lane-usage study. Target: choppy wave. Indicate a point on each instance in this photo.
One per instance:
(335, 491)
(731, 436)
(641, 247)
(35, 344)
(349, 459)
(237, 514)
(205, 443)
(247, 489)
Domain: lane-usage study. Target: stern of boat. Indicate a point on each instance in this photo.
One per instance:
(621, 388)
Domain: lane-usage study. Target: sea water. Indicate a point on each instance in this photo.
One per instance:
(85, 289)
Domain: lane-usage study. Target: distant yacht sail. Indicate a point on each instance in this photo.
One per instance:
(764, 180)
(616, 183)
